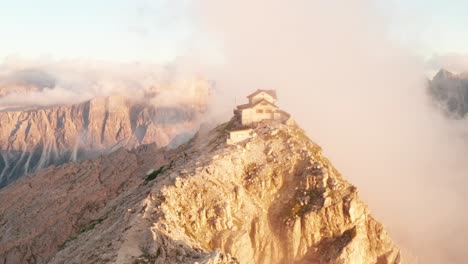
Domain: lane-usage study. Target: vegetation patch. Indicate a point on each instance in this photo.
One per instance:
(154, 174)
(157, 172)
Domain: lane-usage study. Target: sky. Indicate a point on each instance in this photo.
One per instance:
(160, 30)
(428, 26)
(112, 30)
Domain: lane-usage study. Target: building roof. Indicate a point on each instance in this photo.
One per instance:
(245, 106)
(270, 92)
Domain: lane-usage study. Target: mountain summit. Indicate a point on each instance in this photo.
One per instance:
(450, 92)
(270, 198)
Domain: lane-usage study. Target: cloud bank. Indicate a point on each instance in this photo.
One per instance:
(361, 97)
(46, 82)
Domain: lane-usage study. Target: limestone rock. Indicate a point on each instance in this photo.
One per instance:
(34, 139)
(245, 209)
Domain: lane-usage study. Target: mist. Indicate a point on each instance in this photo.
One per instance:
(26, 83)
(360, 96)
(454, 62)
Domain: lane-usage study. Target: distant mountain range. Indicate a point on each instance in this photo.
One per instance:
(35, 138)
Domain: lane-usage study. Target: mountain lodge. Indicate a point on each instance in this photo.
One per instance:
(261, 106)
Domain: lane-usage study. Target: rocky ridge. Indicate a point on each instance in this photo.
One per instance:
(33, 139)
(450, 91)
(271, 199)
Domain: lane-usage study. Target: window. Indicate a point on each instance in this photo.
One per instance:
(259, 111)
(269, 111)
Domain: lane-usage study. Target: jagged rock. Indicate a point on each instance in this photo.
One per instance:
(247, 211)
(36, 138)
(332, 182)
(449, 92)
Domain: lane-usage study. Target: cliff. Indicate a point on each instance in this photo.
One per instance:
(271, 199)
(33, 139)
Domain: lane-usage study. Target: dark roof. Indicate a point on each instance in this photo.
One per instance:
(245, 106)
(263, 100)
(270, 92)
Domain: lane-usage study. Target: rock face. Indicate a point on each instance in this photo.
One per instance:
(271, 199)
(34, 139)
(451, 92)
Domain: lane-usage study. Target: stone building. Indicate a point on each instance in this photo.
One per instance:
(239, 135)
(261, 106)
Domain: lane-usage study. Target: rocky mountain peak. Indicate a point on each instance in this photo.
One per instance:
(450, 92)
(273, 198)
(443, 74)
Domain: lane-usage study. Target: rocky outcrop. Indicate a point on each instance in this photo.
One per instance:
(34, 139)
(271, 199)
(450, 91)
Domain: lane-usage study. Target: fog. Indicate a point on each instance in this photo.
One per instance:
(454, 62)
(360, 96)
(26, 83)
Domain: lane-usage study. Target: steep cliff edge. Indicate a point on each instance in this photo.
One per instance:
(271, 199)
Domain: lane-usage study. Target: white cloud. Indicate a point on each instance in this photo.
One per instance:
(75, 81)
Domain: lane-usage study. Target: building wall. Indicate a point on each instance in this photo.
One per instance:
(257, 114)
(262, 96)
(238, 136)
